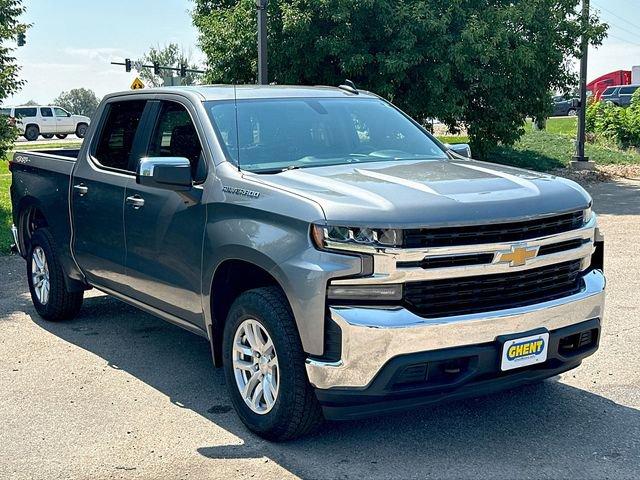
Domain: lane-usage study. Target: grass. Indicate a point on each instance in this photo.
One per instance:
(5, 208)
(552, 148)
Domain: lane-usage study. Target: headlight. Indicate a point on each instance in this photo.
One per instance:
(587, 215)
(326, 237)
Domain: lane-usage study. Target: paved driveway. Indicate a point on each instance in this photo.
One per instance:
(117, 393)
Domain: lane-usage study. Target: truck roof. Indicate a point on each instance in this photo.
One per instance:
(226, 92)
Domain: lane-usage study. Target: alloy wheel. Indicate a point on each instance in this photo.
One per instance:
(40, 275)
(255, 366)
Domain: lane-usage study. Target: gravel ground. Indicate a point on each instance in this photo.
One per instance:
(117, 393)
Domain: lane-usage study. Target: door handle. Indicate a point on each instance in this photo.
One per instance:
(82, 189)
(136, 201)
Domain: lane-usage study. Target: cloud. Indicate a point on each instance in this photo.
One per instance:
(102, 54)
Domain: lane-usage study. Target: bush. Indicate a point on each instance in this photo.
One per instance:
(618, 124)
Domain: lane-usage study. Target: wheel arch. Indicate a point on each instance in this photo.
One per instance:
(31, 215)
(232, 277)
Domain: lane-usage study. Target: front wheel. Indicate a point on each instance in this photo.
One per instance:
(572, 112)
(61, 135)
(46, 280)
(264, 366)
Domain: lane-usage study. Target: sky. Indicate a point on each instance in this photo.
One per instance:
(71, 43)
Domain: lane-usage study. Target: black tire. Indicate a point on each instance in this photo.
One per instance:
(296, 410)
(61, 135)
(61, 304)
(47, 135)
(31, 132)
(81, 130)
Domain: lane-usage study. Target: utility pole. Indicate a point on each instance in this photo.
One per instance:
(263, 68)
(579, 160)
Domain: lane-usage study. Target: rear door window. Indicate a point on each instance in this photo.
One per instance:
(114, 145)
(26, 112)
(46, 112)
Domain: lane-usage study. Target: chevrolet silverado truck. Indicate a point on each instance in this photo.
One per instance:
(340, 260)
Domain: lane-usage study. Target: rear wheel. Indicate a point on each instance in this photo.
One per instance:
(31, 133)
(47, 135)
(264, 366)
(61, 135)
(49, 294)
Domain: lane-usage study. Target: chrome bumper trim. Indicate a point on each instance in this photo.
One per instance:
(386, 261)
(373, 336)
(16, 240)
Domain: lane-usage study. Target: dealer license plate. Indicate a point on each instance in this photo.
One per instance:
(524, 351)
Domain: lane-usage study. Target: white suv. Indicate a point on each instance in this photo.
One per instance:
(47, 121)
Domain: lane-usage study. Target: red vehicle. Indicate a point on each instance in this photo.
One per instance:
(600, 84)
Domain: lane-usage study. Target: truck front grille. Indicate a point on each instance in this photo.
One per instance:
(458, 296)
(492, 233)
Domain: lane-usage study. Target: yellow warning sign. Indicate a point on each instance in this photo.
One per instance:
(137, 84)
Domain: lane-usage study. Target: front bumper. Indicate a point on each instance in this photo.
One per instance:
(443, 375)
(371, 337)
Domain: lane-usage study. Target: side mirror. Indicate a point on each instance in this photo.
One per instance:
(169, 173)
(462, 149)
(575, 102)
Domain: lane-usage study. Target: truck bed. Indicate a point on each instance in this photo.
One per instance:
(40, 182)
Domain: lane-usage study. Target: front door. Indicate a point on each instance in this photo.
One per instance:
(64, 122)
(98, 192)
(164, 229)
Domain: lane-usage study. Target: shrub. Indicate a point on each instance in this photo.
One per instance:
(618, 124)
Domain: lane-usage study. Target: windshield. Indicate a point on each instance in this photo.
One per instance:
(278, 134)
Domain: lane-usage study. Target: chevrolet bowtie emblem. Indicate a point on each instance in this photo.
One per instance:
(518, 255)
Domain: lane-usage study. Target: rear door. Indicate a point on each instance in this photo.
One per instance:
(47, 121)
(64, 122)
(98, 189)
(164, 236)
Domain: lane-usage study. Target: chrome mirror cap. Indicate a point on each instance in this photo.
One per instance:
(170, 173)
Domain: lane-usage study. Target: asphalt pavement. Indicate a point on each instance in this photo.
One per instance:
(117, 393)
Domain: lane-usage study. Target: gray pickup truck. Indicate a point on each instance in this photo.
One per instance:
(340, 260)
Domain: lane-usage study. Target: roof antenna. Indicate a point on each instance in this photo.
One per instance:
(349, 86)
(235, 103)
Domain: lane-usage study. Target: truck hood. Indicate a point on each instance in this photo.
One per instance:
(430, 192)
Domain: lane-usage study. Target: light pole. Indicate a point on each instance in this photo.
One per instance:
(263, 69)
(579, 160)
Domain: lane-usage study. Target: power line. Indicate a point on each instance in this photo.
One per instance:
(624, 40)
(624, 20)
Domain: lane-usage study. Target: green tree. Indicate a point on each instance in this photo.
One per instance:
(10, 27)
(31, 103)
(486, 64)
(168, 56)
(80, 101)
